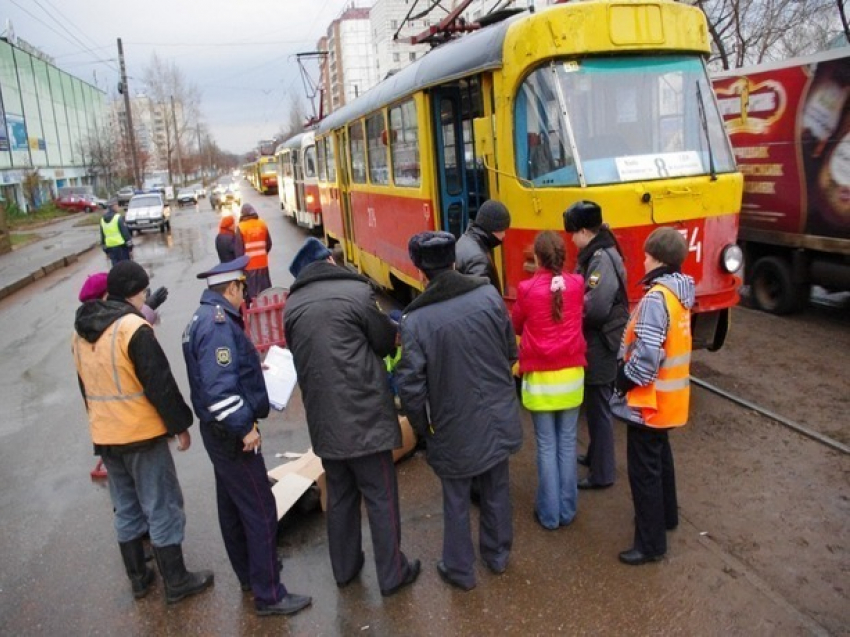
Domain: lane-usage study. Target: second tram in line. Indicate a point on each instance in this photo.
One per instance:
(608, 101)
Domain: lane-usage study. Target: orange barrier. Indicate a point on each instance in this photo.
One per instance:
(264, 319)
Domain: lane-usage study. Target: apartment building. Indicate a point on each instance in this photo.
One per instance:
(350, 68)
(391, 54)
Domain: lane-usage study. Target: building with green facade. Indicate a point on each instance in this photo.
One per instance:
(47, 118)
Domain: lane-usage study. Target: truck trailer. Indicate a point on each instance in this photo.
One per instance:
(789, 124)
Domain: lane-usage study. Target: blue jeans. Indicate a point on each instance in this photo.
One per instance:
(146, 494)
(557, 474)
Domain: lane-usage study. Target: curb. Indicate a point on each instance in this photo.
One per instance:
(43, 271)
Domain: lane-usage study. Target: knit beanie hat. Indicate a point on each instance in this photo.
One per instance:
(94, 288)
(493, 216)
(583, 214)
(313, 250)
(666, 245)
(126, 279)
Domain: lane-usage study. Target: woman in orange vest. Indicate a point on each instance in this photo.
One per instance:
(254, 240)
(653, 390)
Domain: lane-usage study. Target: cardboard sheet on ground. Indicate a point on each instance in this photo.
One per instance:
(280, 376)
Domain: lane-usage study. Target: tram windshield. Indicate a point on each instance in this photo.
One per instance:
(615, 120)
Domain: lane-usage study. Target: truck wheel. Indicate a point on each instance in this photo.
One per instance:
(773, 287)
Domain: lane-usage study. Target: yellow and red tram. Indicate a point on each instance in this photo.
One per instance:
(598, 100)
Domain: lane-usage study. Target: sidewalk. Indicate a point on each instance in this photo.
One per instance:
(61, 244)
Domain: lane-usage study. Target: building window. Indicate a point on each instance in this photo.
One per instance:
(396, 57)
(377, 136)
(394, 24)
(412, 56)
(404, 145)
(357, 149)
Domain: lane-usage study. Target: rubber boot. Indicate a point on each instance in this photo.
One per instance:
(179, 582)
(141, 577)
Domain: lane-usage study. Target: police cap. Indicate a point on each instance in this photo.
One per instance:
(224, 272)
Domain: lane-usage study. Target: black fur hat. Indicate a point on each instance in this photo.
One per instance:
(432, 250)
(583, 214)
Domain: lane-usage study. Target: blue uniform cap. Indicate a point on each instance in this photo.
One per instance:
(224, 272)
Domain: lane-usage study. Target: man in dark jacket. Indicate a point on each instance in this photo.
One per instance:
(474, 251)
(229, 396)
(455, 384)
(115, 238)
(606, 311)
(134, 405)
(339, 337)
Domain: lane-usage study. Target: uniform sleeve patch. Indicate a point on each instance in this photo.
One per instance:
(593, 280)
(222, 356)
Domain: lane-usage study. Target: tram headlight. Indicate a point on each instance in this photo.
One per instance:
(732, 258)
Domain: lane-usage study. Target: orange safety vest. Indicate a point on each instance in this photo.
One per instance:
(664, 403)
(254, 235)
(119, 411)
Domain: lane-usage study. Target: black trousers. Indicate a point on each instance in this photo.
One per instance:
(600, 430)
(652, 478)
(371, 478)
(495, 530)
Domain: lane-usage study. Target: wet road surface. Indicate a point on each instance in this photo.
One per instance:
(762, 547)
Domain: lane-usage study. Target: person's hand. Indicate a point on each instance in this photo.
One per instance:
(623, 384)
(252, 441)
(184, 441)
(157, 297)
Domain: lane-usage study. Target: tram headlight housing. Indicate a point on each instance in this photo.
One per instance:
(732, 258)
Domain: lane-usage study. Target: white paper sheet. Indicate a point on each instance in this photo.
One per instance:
(280, 376)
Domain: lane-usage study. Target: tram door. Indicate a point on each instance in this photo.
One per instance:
(345, 193)
(449, 144)
(298, 176)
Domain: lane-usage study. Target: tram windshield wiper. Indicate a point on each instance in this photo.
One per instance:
(704, 122)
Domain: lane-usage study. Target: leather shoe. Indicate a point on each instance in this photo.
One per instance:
(583, 460)
(585, 483)
(289, 605)
(633, 557)
(495, 569)
(448, 579)
(356, 572)
(413, 569)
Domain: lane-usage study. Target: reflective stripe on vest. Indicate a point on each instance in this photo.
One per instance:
(553, 390)
(254, 234)
(119, 412)
(112, 232)
(664, 403)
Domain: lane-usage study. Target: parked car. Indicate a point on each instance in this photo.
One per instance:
(199, 189)
(148, 210)
(186, 196)
(124, 195)
(76, 203)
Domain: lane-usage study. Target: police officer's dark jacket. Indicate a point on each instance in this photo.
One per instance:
(458, 346)
(605, 308)
(339, 336)
(149, 361)
(224, 368)
(473, 254)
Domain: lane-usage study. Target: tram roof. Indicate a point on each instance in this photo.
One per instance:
(292, 142)
(477, 51)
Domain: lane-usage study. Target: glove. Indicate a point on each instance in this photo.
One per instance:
(623, 384)
(157, 298)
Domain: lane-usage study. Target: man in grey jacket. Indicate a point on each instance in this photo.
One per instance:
(455, 384)
(338, 337)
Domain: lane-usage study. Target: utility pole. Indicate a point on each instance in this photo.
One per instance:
(200, 154)
(177, 141)
(131, 136)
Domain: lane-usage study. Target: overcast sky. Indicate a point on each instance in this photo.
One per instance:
(239, 53)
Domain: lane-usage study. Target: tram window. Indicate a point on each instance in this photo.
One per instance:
(357, 148)
(320, 155)
(404, 146)
(331, 161)
(287, 165)
(310, 161)
(376, 134)
(451, 152)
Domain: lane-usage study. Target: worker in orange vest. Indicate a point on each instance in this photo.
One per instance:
(254, 240)
(653, 390)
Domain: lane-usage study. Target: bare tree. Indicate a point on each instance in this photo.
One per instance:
(746, 32)
(295, 121)
(165, 82)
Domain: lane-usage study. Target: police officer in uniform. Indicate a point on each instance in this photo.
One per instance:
(229, 395)
(115, 238)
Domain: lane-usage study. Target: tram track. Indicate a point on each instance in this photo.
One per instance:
(782, 420)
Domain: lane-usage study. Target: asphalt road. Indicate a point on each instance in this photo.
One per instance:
(762, 548)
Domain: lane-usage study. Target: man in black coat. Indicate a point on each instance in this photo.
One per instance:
(339, 337)
(474, 250)
(456, 386)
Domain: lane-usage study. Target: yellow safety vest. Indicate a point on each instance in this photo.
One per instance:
(119, 411)
(553, 390)
(112, 232)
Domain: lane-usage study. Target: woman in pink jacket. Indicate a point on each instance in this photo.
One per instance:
(548, 316)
